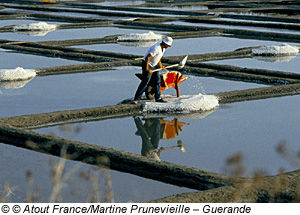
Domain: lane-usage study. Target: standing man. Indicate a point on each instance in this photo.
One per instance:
(151, 61)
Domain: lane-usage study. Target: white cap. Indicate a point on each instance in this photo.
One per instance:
(168, 41)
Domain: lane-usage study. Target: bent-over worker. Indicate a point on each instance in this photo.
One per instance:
(151, 61)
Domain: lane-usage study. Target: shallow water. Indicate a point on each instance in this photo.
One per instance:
(71, 34)
(189, 46)
(118, 3)
(126, 187)
(208, 25)
(284, 64)
(253, 129)
(181, 8)
(28, 61)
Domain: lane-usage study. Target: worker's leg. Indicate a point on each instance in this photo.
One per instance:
(143, 85)
(156, 78)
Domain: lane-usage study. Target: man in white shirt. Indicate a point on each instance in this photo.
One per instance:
(151, 60)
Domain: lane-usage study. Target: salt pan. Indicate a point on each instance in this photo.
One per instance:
(140, 37)
(284, 49)
(17, 74)
(186, 104)
(41, 26)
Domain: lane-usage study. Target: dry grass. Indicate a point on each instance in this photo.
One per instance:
(63, 178)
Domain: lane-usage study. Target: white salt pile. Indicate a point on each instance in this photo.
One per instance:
(140, 37)
(284, 49)
(185, 104)
(17, 74)
(41, 26)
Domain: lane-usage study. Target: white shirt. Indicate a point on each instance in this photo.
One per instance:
(156, 52)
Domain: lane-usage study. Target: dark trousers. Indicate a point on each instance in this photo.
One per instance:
(146, 79)
(150, 133)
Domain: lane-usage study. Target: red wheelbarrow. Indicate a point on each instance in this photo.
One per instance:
(167, 80)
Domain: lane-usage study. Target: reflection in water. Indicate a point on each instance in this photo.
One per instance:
(34, 29)
(155, 129)
(275, 59)
(34, 33)
(13, 84)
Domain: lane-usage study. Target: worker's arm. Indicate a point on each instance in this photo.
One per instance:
(161, 66)
(147, 59)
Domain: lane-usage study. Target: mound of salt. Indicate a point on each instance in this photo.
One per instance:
(186, 104)
(41, 26)
(17, 74)
(140, 37)
(284, 49)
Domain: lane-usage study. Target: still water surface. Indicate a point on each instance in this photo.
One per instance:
(253, 129)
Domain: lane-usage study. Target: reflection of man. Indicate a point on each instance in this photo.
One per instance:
(155, 129)
(150, 133)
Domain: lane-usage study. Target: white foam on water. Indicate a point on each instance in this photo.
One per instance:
(284, 49)
(41, 26)
(17, 74)
(185, 104)
(140, 37)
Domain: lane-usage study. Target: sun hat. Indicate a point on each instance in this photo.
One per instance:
(168, 41)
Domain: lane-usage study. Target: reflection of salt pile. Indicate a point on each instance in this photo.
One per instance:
(179, 115)
(275, 59)
(18, 74)
(13, 84)
(187, 103)
(139, 40)
(35, 29)
(284, 49)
